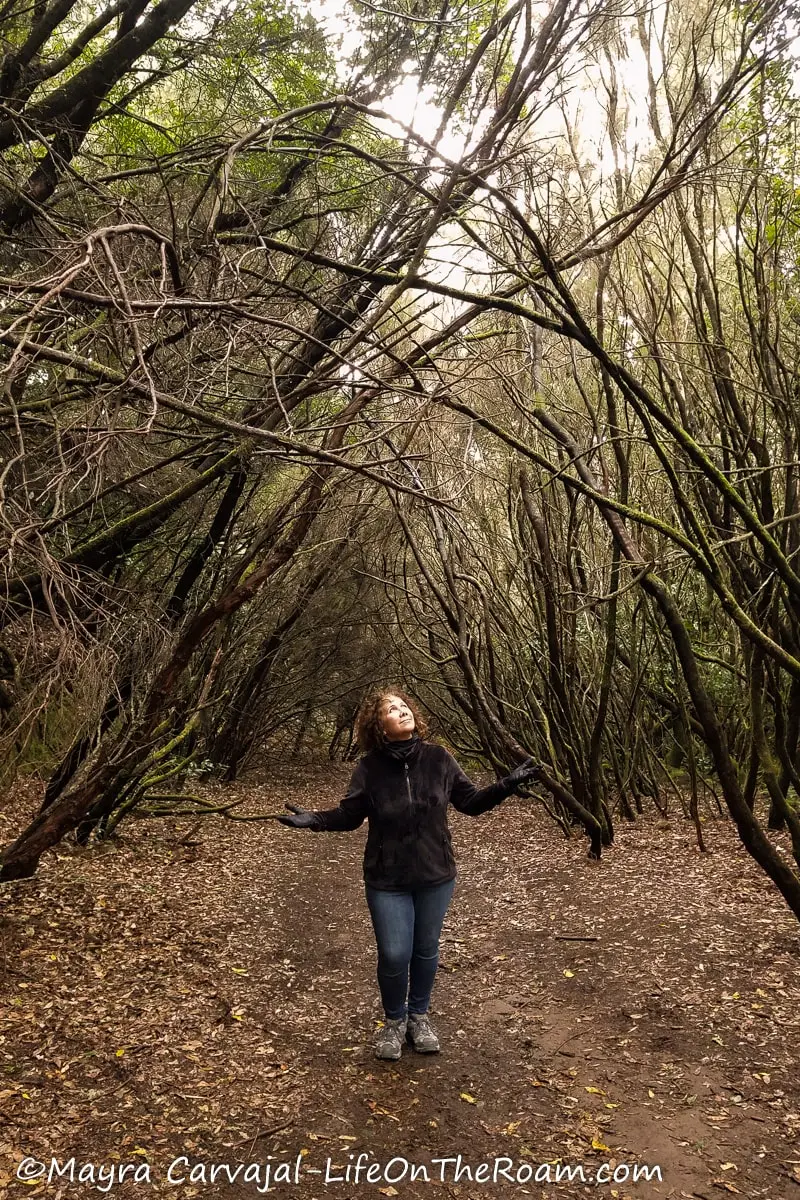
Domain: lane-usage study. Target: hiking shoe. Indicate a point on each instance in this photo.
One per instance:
(420, 1034)
(389, 1039)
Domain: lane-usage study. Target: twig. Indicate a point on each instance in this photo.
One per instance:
(183, 841)
(268, 1133)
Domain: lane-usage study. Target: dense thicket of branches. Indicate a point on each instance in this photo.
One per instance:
(296, 399)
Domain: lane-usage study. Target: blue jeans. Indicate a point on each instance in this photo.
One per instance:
(407, 927)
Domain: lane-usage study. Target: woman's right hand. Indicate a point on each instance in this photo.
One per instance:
(302, 818)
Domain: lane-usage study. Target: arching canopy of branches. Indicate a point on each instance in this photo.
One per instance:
(304, 389)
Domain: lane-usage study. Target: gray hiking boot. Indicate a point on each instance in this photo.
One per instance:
(389, 1039)
(421, 1035)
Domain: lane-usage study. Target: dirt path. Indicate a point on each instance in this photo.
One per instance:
(215, 1003)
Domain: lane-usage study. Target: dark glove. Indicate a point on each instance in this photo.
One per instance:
(302, 818)
(521, 775)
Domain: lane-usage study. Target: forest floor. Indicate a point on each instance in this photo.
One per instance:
(184, 1007)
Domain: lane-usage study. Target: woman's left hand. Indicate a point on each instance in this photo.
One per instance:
(521, 774)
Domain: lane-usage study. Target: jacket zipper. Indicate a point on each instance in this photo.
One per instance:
(408, 785)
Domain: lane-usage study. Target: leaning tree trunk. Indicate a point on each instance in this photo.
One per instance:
(752, 835)
(21, 858)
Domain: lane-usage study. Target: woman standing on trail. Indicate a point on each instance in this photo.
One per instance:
(403, 785)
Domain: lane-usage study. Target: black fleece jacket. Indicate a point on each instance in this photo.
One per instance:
(405, 800)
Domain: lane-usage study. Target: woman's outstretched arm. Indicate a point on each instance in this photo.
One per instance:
(350, 812)
(472, 800)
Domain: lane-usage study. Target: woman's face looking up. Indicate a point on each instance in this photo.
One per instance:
(396, 718)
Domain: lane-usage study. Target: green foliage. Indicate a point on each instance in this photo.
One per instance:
(219, 71)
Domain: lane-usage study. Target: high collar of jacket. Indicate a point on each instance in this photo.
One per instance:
(403, 751)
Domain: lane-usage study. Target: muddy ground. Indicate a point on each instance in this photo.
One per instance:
(178, 1007)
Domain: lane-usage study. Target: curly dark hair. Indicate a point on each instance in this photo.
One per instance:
(369, 732)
